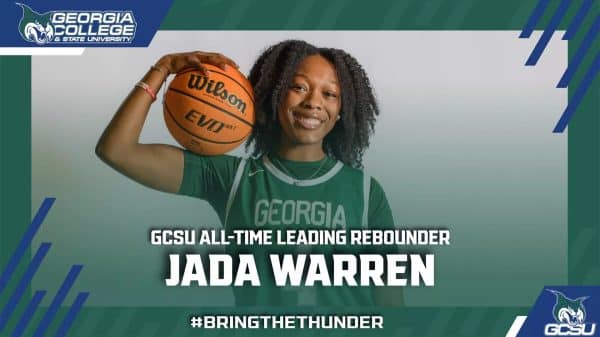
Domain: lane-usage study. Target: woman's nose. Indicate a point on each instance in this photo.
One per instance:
(311, 101)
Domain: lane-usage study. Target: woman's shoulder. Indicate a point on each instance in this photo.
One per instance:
(357, 172)
(222, 159)
(224, 165)
(365, 175)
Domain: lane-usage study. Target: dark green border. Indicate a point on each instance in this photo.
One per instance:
(583, 165)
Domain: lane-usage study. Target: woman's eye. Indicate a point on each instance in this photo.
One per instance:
(298, 87)
(331, 94)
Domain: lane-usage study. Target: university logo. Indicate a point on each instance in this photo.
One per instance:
(562, 311)
(35, 27)
(76, 27)
(569, 315)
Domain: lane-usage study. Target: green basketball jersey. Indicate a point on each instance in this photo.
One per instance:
(274, 193)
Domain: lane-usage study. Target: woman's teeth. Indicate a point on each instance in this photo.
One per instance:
(308, 122)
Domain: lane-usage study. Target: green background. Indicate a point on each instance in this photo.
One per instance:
(583, 153)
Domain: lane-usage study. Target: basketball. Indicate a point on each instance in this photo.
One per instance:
(209, 115)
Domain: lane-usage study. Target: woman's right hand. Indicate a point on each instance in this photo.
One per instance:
(178, 62)
(158, 166)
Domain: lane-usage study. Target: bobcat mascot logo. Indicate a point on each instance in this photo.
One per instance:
(568, 311)
(35, 27)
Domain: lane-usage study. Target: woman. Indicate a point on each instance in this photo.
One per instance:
(315, 111)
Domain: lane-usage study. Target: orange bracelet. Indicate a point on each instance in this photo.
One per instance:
(147, 89)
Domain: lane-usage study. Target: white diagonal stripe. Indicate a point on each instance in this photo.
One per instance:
(41, 51)
(516, 326)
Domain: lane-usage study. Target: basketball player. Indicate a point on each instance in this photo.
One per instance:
(315, 112)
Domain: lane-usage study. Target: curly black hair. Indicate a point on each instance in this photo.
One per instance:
(271, 76)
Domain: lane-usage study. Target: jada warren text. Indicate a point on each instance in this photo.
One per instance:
(304, 270)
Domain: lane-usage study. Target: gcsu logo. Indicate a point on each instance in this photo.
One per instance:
(35, 27)
(569, 315)
(66, 27)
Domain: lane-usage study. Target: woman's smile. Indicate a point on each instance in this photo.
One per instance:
(309, 121)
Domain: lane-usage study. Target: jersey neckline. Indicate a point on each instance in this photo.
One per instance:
(300, 182)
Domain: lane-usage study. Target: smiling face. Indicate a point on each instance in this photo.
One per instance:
(311, 105)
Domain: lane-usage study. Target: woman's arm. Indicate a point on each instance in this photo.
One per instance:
(158, 166)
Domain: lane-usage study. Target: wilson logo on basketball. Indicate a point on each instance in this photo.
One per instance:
(212, 114)
(217, 89)
(209, 124)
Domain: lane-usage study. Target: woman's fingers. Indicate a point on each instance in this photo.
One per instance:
(179, 62)
(195, 61)
(218, 60)
(226, 60)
